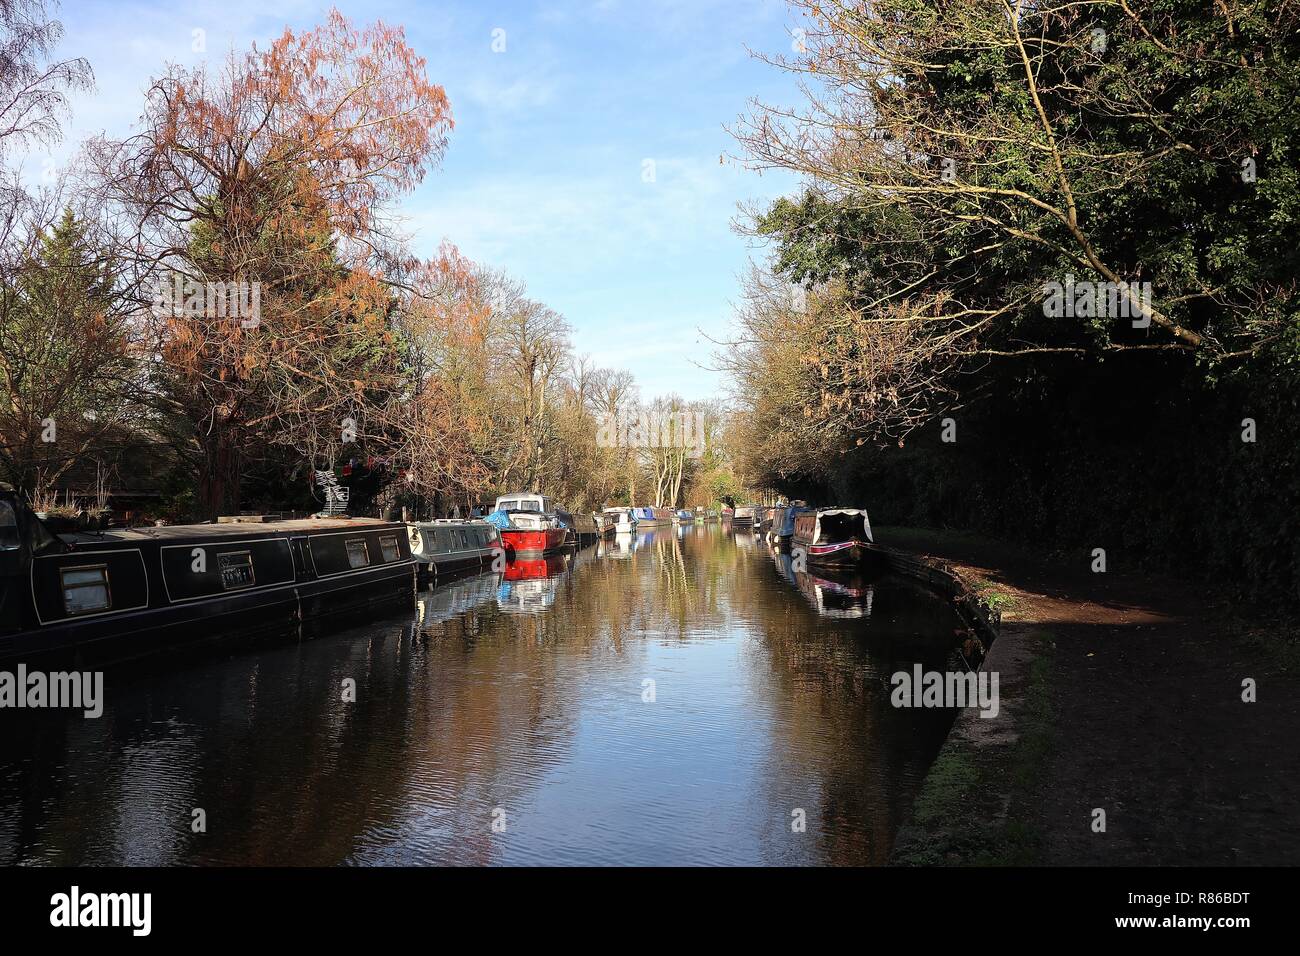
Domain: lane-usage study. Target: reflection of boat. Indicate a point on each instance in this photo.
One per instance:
(621, 545)
(684, 517)
(529, 527)
(785, 566)
(644, 539)
(653, 517)
(833, 535)
(447, 601)
(528, 586)
(835, 595)
(132, 592)
(529, 569)
(442, 547)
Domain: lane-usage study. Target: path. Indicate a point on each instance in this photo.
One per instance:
(1120, 693)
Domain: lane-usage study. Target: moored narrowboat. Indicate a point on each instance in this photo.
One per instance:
(129, 592)
(582, 527)
(743, 516)
(653, 517)
(684, 517)
(782, 533)
(833, 535)
(449, 545)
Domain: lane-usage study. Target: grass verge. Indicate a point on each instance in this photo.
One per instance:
(975, 807)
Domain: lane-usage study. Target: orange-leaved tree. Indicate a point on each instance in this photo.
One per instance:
(269, 181)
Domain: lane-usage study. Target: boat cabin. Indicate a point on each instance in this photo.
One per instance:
(525, 501)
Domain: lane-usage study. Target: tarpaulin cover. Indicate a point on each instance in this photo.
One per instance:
(500, 519)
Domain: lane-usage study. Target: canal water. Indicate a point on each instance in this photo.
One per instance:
(682, 696)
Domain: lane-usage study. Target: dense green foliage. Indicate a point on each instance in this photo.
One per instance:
(961, 160)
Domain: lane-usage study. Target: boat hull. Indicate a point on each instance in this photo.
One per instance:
(533, 544)
(838, 553)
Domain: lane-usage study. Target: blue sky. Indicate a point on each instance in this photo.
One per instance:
(544, 173)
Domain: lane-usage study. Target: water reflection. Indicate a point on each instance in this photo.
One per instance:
(671, 698)
(529, 586)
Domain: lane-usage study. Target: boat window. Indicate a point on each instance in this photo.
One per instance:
(9, 540)
(546, 505)
(388, 545)
(509, 505)
(236, 570)
(527, 505)
(358, 556)
(85, 589)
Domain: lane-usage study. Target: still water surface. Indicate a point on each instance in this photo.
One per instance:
(674, 697)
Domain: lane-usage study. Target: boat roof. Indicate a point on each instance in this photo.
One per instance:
(232, 529)
(451, 522)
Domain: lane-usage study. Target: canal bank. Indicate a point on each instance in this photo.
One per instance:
(1120, 693)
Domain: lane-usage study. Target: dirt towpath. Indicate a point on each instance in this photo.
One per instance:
(1119, 693)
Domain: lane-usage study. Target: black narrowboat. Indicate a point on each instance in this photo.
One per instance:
(130, 592)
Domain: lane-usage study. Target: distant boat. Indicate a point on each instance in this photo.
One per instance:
(624, 519)
(653, 517)
(448, 545)
(529, 526)
(743, 516)
(684, 517)
(115, 594)
(582, 527)
(782, 531)
(833, 535)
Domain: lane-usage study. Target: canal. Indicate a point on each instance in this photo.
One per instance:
(682, 696)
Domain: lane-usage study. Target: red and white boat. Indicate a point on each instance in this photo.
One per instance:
(534, 530)
(833, 535)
